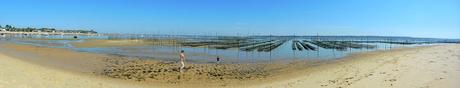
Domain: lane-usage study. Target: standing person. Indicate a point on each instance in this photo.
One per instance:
(182, 60)
(217, 60)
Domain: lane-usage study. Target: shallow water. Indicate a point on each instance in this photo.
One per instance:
(209, 55)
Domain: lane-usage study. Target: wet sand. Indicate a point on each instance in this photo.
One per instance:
(41, 67)
(16, 73)
(54, 57)
(142, 71)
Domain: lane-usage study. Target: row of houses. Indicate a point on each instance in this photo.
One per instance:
(9, 28)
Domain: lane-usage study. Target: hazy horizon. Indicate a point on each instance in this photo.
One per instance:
(411, 18)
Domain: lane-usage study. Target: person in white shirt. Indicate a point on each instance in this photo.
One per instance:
(182, 60)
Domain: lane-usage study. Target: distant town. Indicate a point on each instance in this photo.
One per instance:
(8, 29)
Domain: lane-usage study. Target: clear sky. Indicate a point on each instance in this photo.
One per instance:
(416, 18)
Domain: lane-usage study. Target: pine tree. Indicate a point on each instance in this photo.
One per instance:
(8, 26)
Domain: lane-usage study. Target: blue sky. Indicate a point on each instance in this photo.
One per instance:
(416, 18)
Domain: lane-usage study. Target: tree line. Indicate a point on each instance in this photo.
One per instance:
(29, 29)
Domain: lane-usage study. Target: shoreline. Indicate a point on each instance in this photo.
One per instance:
(288, 78)
(399, 68)
(83, 62)
(44, 33)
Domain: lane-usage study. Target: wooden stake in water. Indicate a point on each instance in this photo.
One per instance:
(270, 48)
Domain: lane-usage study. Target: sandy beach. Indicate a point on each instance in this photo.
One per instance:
(15, 73)
(422, 67)
(230, 44)
(23, 66)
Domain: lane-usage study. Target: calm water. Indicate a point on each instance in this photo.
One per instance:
(232, 55)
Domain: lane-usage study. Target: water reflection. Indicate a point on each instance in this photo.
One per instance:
(206, 54)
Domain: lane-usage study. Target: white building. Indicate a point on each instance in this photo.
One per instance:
(2, 30)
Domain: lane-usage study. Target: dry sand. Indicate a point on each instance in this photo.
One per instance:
(422, 67)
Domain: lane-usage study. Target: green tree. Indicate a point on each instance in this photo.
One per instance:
(8, 27)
